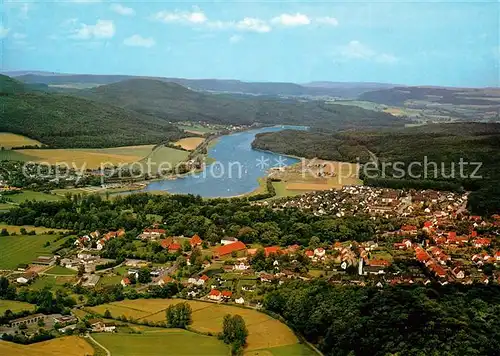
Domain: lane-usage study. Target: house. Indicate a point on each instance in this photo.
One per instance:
(226, 295)
(215, 295)
(65, 320)
(228, 249)
(206, 264)
(438, 270)
(458, 273)
(408, 230)
(240, 301)
(242, 266)
(164, 280)
(91, 280)
(125, 282)
(497, 256)
(203, 279)
(264, 277)
(45, 260)
(195, 241)
(404, 245)
(428, 226)
(378, 263)
(26, 278)
(481, 242)
(309, 253)
(174, 247)
(100, 244)
(98, 325)
(272, 250)
(152, 233)
(319, 252)
(228, 240)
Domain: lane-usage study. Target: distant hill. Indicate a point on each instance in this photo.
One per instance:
(66, 121)
(174, 102)
(343, 90)
(455, 96)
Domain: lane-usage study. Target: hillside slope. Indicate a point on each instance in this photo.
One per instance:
(65, 121)
(174, 102)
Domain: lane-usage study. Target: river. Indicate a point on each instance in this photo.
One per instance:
(236, 169)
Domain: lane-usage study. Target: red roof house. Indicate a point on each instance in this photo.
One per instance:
(227, 250)
(195, 241)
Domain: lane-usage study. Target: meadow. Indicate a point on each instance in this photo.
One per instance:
(162, 342)
(9, 140)
(26, 195)
(17, 229)
(196, 129)
(64, 346)
(14, 306)
(60, 271)
(167, 156)
(24, 249)
(264, 331)
(190, 143)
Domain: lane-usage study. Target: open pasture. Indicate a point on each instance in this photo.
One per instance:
(9, 140)
(63, 346)
(162, 342)
(264, 331)
(14, 306)
(190, 143)
(17, 229)
(24, 249)
(26, 195)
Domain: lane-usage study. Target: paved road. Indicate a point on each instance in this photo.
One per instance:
(98, 344)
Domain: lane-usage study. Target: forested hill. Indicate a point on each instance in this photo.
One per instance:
(441, 143)
(174, 102)
(344, 90)
(64, 121)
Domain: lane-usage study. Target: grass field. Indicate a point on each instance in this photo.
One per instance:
(31, 195)
(61, 271)
(17, 229)
(196, 129)
(162, 342)
(9, 155)
(5, 207)
(64, 346)
(9, 140)
(190, 143)
(288, 350)
(52, 282)
(14, 306)
(264, 331)
(164, 158)
(24, 249)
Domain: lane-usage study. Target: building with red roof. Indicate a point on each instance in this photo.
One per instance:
(215, 295)
(272, 249)
(482, 242)
(226, 294)
(195, 241)
(174, 247)
(227, 250)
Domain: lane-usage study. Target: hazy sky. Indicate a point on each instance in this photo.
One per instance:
(436, 43)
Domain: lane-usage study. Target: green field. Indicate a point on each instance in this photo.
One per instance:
(52, 282)
(196, 128)
(24, 249)
(17, 229)
(8, 155)
(14, 306)
(162, 342)
(5, 207)
(167, 156)
(61, 271)
(31, 195)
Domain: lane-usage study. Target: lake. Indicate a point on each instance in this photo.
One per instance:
(236, 170)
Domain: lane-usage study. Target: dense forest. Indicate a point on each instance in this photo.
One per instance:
(62, 121)
(174, 102)
(450, 320)
(445, 145)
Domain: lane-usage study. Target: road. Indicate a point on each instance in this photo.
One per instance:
(98, 344)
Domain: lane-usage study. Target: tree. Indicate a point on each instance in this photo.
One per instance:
(4, 232)
(144, 275)
(81, 270)
(179, 315)
(314, 242)
(234, 332)
(107, 314)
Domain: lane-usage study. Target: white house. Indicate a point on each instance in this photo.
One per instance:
(240, 300)
(22, 280)
(319, 252)
(228, 240)
(242, 266)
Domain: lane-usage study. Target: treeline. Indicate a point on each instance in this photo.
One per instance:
(188, 215)
(451, 320)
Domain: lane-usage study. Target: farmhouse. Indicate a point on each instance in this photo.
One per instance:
(228, 240)
(164, 280)
(195, 241)
(215, 295)
(98, 326)
(45, 260)
(26, 277)
(125, 282)
(227, 250)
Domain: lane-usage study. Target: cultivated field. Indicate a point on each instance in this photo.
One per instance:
(31, 195)
(60, 271)
(196, 129)
(315, 175)
(14, 306)
(9, 140)
(162, 342)
(17, 229)
(24, 249)
(64, 346)
(190, 143)
(264, 331)
(164, 158)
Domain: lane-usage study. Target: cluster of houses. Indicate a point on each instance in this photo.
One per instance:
(94, 240)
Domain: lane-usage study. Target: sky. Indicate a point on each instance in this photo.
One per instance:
(445, 43)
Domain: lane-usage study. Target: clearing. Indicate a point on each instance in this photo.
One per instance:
(14, 306)
(63, 346)
(17, 229)
(190, 143)
(9, 140)
(161, 342)
(24, 249)
(60, 271)
(26, 195)
(264, 331)
(163, 158)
